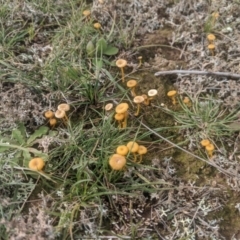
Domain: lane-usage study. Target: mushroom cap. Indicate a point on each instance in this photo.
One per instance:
(210, 147)
(152, 92)
(172, 93)
(119, 116)
(131, 83)
(140, 57)
(205, 142)
(211, 37)
(64, 107)
(86, 13)
(97, 25)
(49, 114)
(108, 107)
(121, 108)
(117, 162)
(138, 99)
(215, 14)
(53, 121)
(122, 150)
(132, 146)
(186, 100)
(36, 164)
(211, 46)
(121, 63)
(60, 114)
(142, 150)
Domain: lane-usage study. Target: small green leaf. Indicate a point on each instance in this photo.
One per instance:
(101, 45)
(3, 149)
(37, 134)
(26, 156)
(90, 48)
(17, 135)
(110, 51)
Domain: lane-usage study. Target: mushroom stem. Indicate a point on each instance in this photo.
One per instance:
(174, 100)
(135, 157)
(138, 110)
(123, 76)
(140, 61)
(146, 101)
(133, 92)
(124, 124)
(140, 159)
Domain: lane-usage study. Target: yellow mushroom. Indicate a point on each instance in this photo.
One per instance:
(117, 162)
(49, 114)
(36, 164)
(121, 63)
(138, 100)
(205, 142)
(172, 94)
(211, 48)
(122, 150)
(211, 37)
(152, 93)
(210, 148)
(132, 85)
(133, 148)
(141, 151)
(123, 108)
(52, 122)
(86, 13)
(63, 107)
(119, 117)
(187, 101)
(97, 25)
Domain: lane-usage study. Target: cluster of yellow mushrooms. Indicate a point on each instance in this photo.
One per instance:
(87, 14)
(61, 114)
(118, 160)
(209, 147)
(211, 37)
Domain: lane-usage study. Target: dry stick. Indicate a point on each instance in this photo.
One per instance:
(217, 74)
(184, 150)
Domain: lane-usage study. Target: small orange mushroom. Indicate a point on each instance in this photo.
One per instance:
(210, 148)
(187, 101)
(121, 63)
(133, 148)
(53, 122)
(205, 142)
(97, 25)
(117, 162)
(49, 114)
(122, 150)
(119, 117)
(211, 48)
(138, 100)
(141, 150)
(36, 164)
(132, 85)
(172, 94)
(123, 108)
(211, 37)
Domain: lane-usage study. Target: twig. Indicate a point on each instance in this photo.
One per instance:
(217, 74)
